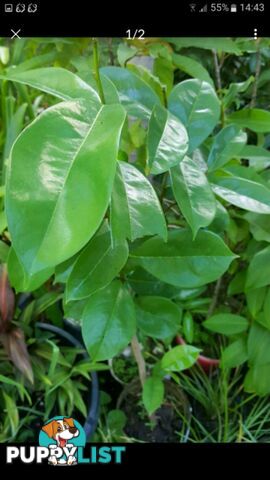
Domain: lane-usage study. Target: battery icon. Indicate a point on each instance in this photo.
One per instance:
(233, 8)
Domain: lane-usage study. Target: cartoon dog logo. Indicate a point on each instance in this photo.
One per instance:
(62, 431)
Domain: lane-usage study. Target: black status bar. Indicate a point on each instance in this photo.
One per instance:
(46, 18)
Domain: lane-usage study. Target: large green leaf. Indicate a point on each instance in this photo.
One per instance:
(235, 354)
(226, 323)
(153, 394)
(57, 81)
(259, 157)
(255, 119)
(258, 345)
(183, 262)
(158, 317)
(96, 267)
(20, 280)
(109, 321)
(135, 208)
(258, 274)
(150, 78)
(259, 226)
(227, 144)
(257, 380)
(179, 358)
(233, 92)
(220, 44)
(137, 97)
(59, 181)
(143, 283)
(255, 300)
(242, 192)
(192, 67)
(193, 194)
(167, 140)
(196, 104)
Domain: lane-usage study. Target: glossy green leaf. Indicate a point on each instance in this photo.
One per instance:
(63, 270)
(258, 274)
(242, 193)
(183, 262)
(74, 310)
(4, 55)
(193, 194)
(56, 81)
(255, 299)
(167, 141)
(179, 358)
(153, 394)
(158, 317)
(237, 284)
(255, 119)
(143, 283)
(135, 95)
(257, 380)
(263, 319)
(192, 67)
(258, 345)
(14, 127)
(62, 170)
(109, 322)
(151, 80)
(227, 144)
(259, 157)
(235, 88)
(163, 69)
(125, 52)
(235, 354)
(4, 252)
(188, 327)
(221, 44)
(20, 280)
(96, 266)
(259, 226)
(226, 323)
(196, 104)
(135, 208)
(266, 311)
(221, 220)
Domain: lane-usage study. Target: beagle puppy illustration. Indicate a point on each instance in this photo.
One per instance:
(62, 431)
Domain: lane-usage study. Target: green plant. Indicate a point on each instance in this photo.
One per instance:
(148, 200)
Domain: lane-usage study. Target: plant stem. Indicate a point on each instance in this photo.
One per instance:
(96, 71)
(257, 74)
(217, 70)
(110, 50)
(136, 350)
(164, 94)
(213, 304)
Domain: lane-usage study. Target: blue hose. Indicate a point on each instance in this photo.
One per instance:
(93, 410)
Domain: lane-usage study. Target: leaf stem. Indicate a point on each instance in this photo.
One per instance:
(213, 304)
(136, 350)
(96, 71)
(217, 70)
(257, 74)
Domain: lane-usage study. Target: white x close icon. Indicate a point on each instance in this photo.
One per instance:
(15, 34)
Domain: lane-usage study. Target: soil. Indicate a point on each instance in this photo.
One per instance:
(167, 420)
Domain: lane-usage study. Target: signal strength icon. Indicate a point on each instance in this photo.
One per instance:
(203, 9)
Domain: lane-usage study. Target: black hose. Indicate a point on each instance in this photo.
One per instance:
(93, 411)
